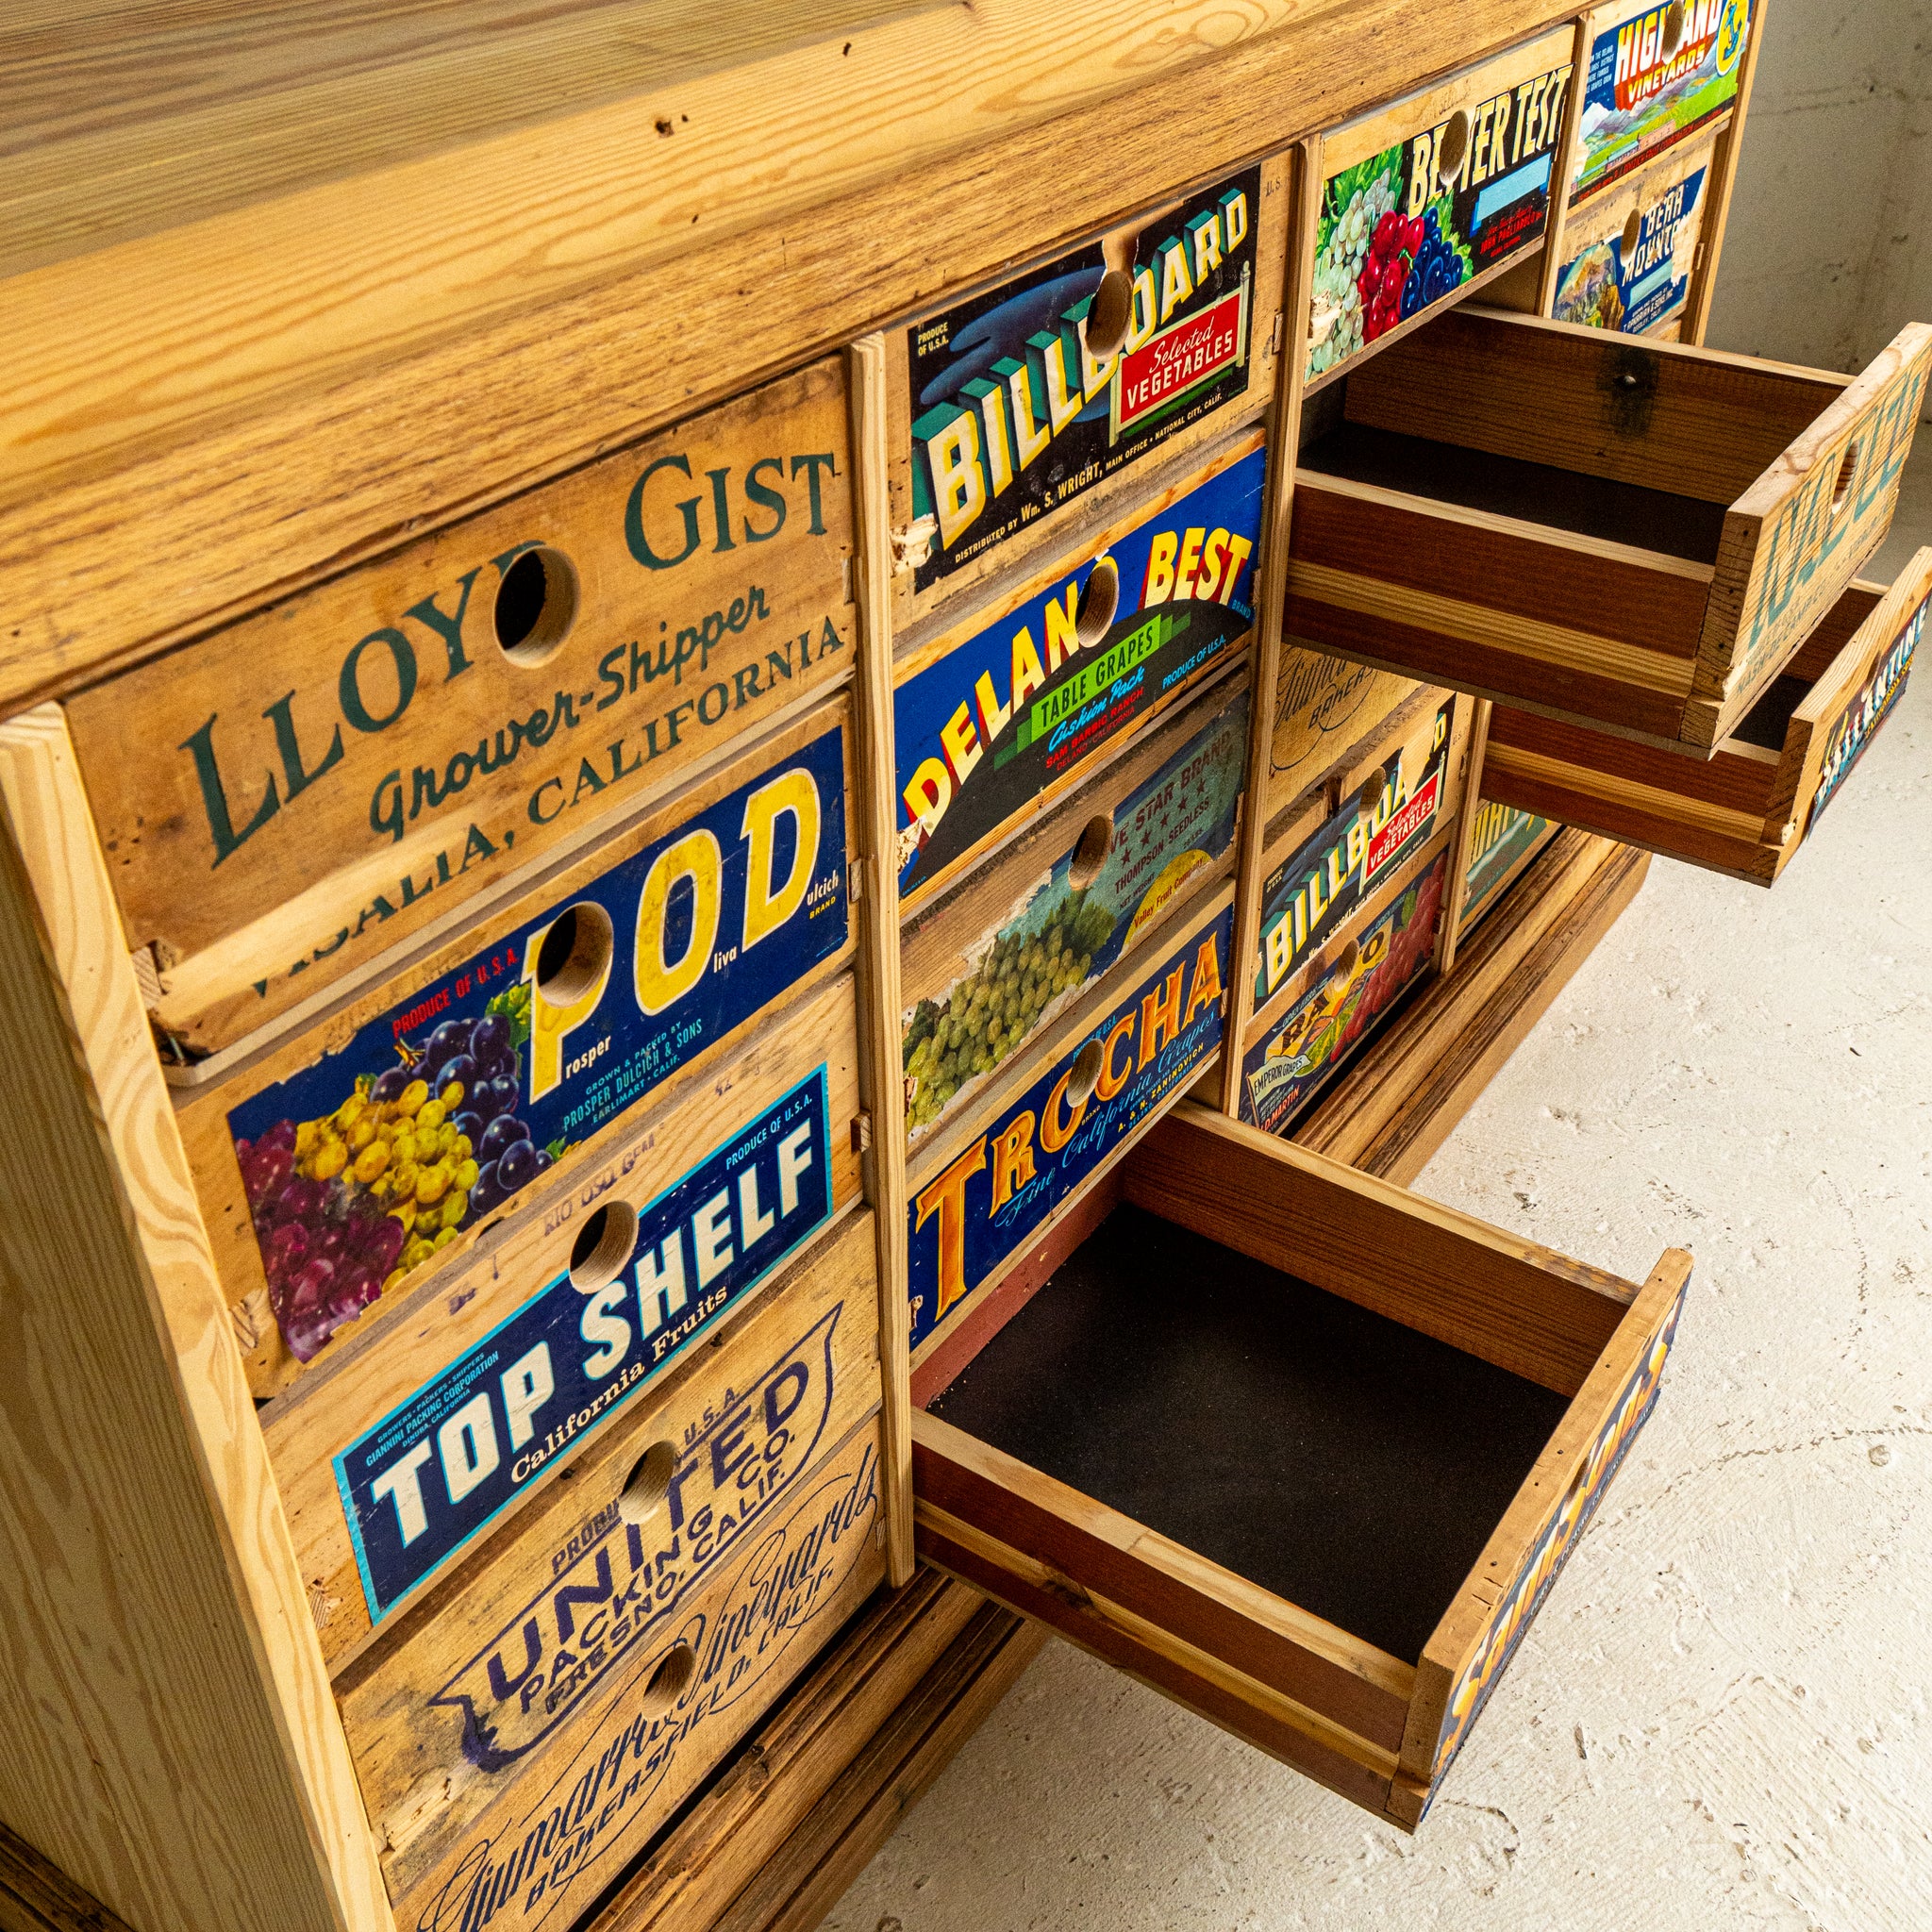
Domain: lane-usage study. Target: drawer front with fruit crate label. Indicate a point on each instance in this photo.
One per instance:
(559, 1609)
(1850, 730)
(1023, 399)
(1424, 197)
(991, 719)
(1097, 900)
(293, 796)
(1298, 1048)
(1501, 841)
(989, 1197)
(1655, 76)
(1309, 893)
(589, 1800)
(1323, 707)
(1630, 253)
(341, 1177)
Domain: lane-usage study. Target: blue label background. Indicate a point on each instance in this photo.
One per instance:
(1654, 298)
(388, 1567)
(644, 1048)
(1006, 778)
(990, 1238)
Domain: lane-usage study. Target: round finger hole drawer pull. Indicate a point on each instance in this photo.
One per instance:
(1089, 854)
(575, 954)
(1454, 148)
(648, 1484)
(536, 605)
(603, 1247)
(1847, 474)
(675, 1669)
(1084, 1075)
(1100, 597)
(1671, 37)
(1110, 312)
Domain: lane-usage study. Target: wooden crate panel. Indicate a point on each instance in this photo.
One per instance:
(1502, 843)
(589, 1585)
(1346, 1569)
(1631, 536)
(1630, 253)
(1308, 1032)
(994, 717)
(1323, 707)
(287, 799)
(1750, 806)
(1424, 197)
(1036, 394)
(974, 1204)
(617, 982)
(1014, 944)
(1653, 76)
(579, 1807)
(398, 1455)
(1397, 796)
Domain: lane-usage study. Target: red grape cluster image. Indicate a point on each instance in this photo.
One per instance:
(1409, 948)
(346, 1204)
(1410, 263)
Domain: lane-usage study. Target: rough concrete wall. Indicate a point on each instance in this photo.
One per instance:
(1824, 256)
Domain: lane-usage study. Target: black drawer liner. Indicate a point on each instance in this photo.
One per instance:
(1329, 1455)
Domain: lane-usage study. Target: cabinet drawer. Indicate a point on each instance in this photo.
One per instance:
(1747, 809)
(1325, 707)
(1007, 710)
(283, 801)
(1311, 1026)
(624, 980)
(1655, 76)
(1012, 407)
(1629, 252)
(981, 1192)
(424, 1428)
(1394, 796)
(1502, 843)
(1630, 536)
(1262, 1494)
(535, 1841)
(1077, 892)
(1430, 197)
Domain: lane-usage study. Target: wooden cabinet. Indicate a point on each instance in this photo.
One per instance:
(1227, 1446)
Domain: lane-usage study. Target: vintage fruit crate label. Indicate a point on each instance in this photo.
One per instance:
(1622, 1422)
(361, 1166)
(612, 1592)
(1072, 925)
(1848, 733)
(563, 1828)
(1655, 76)
(297, 793)
(1500, 838)
(1031, 393)
(432, 1473)
(1320, 885)
(1630, 257)
(1436, 204)
(1311, 1040)
(993, 1195)
(1322, 707)
(1018, 707)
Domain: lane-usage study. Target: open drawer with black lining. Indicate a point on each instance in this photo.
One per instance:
(1296, 1447)
(1632, 536)
(1747, 808)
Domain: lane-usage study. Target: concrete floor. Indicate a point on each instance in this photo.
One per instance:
(1722, 1715)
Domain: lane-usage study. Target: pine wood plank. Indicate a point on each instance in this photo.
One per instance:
(36, 1896)
(176, 1748)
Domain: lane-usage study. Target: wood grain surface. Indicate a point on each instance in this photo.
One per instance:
(177, 448)
(284, 801)
(176, 1748)
(423, 1329)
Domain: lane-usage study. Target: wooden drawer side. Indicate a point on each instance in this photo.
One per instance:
(1473, 1644)
(1522, 1307)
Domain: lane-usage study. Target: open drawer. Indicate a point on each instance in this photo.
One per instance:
(1295, 1448)
(1748, 808)
(1632, 536)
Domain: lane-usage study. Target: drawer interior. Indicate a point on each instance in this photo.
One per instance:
(1333, 1456)
(1603, 508)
